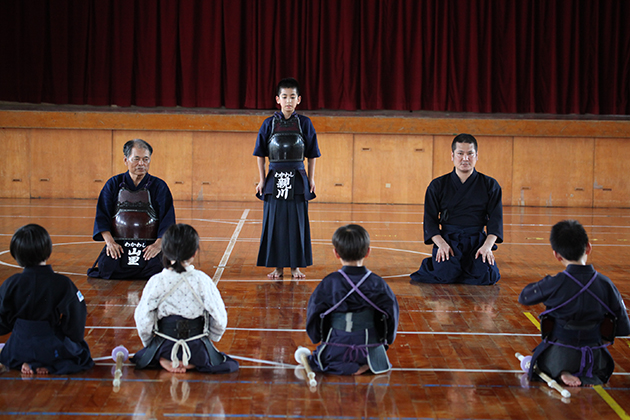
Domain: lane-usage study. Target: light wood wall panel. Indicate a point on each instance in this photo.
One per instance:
(391, 169)
(69, 163)
(15, 163)
(610, 186)
(553, 172)
(171, 160)
(495, 160)
(333, 170)
(224, 167)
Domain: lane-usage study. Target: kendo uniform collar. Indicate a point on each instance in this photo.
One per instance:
(39, 269)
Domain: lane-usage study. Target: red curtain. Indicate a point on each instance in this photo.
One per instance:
(489, 56)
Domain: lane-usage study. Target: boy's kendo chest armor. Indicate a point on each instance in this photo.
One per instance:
(134, 218)
(286, 143)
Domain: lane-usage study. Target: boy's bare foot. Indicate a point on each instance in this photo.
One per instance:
(26, 369)
(297, 274)
(168, 365)
(41, 371)
(361, 370)
(278, 273)
(570, 380)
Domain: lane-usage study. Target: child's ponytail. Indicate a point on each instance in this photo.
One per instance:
(179, 243)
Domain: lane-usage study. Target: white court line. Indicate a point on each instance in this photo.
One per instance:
(228, 251)
(302, 330)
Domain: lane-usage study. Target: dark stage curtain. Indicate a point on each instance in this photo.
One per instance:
(489, 56)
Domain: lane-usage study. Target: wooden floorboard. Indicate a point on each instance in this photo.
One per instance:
(453, 357)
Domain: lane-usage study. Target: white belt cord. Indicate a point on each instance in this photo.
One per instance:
(180, 343)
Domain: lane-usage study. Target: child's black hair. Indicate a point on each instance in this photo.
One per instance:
(351, 242)
(288, 83)
(569, 239)
(30, 245)
(179, 243)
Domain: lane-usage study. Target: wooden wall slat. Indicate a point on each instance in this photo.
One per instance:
(538, 162)
(553, 172)
(15, 163)
(391, 169)
(69, 163)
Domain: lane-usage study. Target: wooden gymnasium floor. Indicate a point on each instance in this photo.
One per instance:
(453, 357)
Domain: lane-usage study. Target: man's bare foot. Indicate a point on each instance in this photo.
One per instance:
(361, 370)
(297, 274)
(26, 369)
(278, 273)
(168, 365)
(570, 380)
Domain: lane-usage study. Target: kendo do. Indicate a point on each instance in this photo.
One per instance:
(134, 210)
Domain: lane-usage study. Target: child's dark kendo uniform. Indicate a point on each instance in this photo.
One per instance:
(286, 139)
(44, 312)
(584, 313)
(352, 312)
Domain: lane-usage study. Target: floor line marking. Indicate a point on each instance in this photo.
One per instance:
(533, 319)
(611, 402)
(228, 251)
(301, 330)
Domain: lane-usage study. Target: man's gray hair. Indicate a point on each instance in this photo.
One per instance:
(138, 143)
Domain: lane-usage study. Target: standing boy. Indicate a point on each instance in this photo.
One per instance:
(353, 312)
(286, 138)
(583, 308)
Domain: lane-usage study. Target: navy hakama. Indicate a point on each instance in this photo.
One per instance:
(203, 355)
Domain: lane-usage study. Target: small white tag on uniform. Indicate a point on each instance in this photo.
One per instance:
(80, 296)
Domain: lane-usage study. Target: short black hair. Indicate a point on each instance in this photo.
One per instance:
(464, 138)
(31, 245)
(569, 239)
(137, 143)
(288, 83)
(351, 242)
(179, 243)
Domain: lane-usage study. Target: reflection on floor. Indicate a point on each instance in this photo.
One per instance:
(453, 356)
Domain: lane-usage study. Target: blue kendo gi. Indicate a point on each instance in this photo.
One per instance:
(459, 212)
(45, 314)
(132, 264)
(286, 237)
(577, 301)
(355, 327)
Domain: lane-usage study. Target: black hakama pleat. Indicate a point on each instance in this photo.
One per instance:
(286, 235)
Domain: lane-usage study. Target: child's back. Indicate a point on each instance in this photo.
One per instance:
(574, 325)
(44, 310)
(181, 312)
(352, 312)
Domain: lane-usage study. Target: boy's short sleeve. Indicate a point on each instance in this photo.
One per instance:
(260, 149)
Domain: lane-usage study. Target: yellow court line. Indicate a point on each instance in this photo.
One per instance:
(611, 402)
(533, 319)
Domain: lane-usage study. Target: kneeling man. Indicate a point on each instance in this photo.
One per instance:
(458, 207)
(134, 210)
